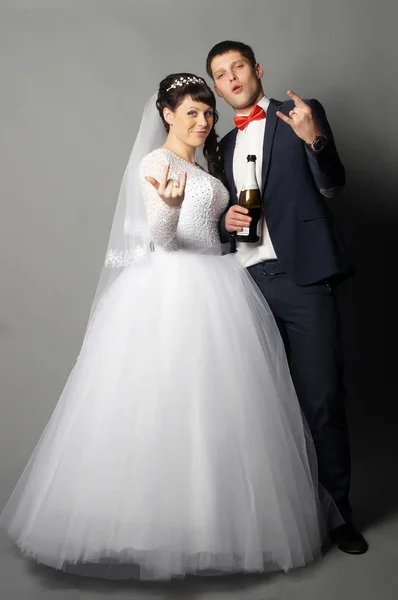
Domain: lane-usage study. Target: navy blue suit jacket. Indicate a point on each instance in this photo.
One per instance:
(301, 225)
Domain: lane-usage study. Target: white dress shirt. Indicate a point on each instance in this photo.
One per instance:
(250, 141)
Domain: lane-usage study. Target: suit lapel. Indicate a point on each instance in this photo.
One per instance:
(270, 128)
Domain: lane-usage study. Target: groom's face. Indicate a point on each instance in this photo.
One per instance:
(236, 80)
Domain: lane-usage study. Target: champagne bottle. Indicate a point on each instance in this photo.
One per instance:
(250, 198)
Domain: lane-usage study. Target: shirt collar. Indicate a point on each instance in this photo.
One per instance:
(264, 103)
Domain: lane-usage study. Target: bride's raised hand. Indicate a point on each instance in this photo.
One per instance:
(171, 191)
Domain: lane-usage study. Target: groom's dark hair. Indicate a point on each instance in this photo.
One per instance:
(228, 46)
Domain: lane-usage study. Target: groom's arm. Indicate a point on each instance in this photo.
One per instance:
(307, 118)
(235, 217)
(325, 165)
(225, 236)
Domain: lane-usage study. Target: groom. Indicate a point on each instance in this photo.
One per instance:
(300, 257)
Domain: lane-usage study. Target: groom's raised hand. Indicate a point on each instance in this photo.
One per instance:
(301, 119)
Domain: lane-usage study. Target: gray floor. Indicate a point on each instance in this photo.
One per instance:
(368, 577)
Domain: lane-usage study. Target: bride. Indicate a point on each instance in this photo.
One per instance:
(178, 445)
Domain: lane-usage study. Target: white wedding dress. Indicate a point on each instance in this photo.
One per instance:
(191, 455)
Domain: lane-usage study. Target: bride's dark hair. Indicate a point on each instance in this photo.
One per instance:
(172, 91)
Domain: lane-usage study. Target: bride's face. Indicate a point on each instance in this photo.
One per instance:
(191, 122)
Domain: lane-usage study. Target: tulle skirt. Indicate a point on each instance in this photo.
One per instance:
(178, 445)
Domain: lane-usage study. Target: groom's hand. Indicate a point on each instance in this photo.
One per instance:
(236, 218)
(301, 119)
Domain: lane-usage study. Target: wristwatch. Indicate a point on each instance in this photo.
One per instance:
(318, 143)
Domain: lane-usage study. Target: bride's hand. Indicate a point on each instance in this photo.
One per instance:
(171, 191)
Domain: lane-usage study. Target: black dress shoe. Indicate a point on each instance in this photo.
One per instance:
(349, 539)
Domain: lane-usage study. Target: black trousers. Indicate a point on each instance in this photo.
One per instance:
(308, 320)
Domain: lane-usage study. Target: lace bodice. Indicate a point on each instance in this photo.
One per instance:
(195, 224)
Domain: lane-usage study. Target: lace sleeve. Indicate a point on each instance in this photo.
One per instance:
(162, 219)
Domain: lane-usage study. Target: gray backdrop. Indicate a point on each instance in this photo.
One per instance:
(74, 78)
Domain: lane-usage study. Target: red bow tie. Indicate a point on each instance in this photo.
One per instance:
(256, 114)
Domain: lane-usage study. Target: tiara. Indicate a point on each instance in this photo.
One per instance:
(183, 81)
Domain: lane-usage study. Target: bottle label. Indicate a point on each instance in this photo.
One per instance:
(245, 231)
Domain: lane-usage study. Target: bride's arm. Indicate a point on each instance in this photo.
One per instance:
(163, 199)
